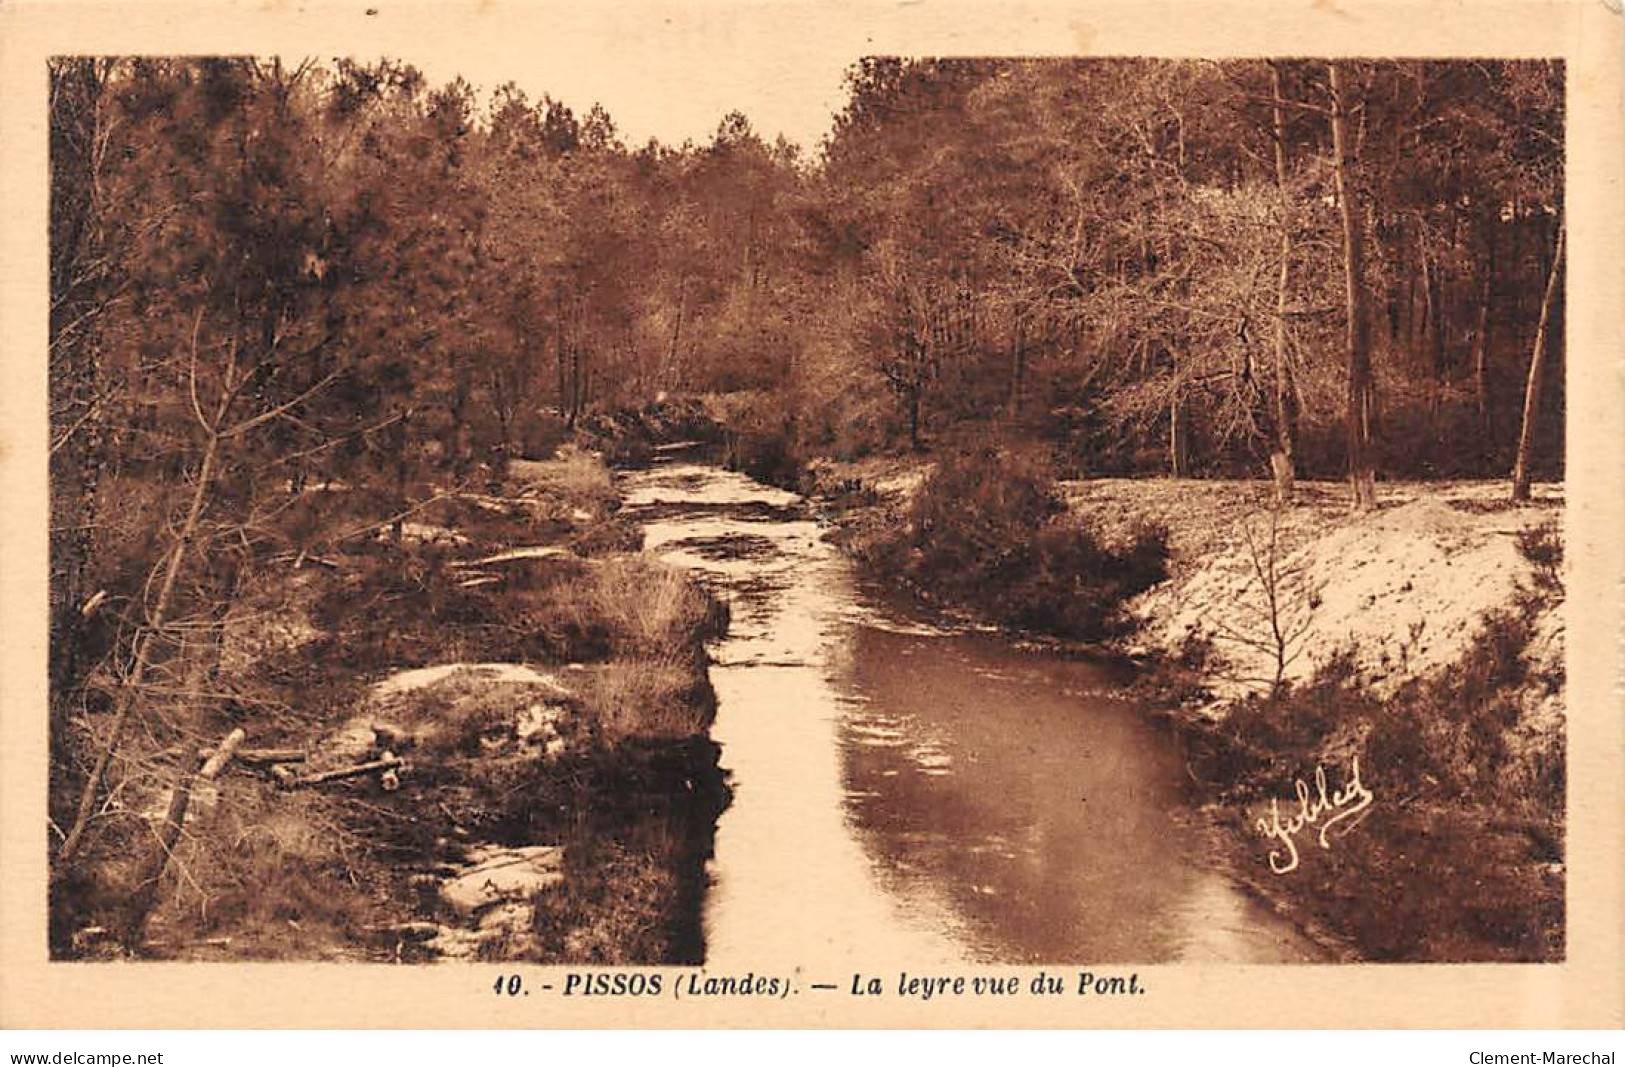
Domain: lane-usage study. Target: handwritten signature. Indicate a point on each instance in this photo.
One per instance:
(1317, 807)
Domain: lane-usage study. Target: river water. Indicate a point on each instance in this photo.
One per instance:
(911, 792)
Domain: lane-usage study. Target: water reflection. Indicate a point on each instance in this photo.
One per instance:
(1049, 819)
(905, 792)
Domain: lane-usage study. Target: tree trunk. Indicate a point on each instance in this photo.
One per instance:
(676, 335)
(1430, 322)
(1177, 447)
(578, 385)
(387, 762)
(1537, 376)
(559, 359)
(78, 242)
(506, 404)
(1481, 349)
(399, 437)
(1283, 467)
(1361, 391)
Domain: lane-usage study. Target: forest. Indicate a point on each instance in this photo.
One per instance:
(272, 278)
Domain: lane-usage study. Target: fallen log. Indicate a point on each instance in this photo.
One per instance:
(262, 755)
(151, 871)
(388, 762)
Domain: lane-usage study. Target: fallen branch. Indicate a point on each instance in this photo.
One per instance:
(408, 931)
(306, 557)
(387, 763)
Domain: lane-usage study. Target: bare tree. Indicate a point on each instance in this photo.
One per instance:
(1275, 611)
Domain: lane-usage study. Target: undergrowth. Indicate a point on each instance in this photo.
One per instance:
(1461, 855)
(987, 532)
(264, 873)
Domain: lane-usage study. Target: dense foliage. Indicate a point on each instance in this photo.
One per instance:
(989, 532)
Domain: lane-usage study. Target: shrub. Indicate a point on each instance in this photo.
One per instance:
(761, 438)
(1449, 731)
(1454, 864)
(976, 516)
(538, 434)
(1075, 583)
(988, 531)
(275, 872)
(621, 437)
(1542, 546)
(618, 904)
(607, 538)
(766, 455)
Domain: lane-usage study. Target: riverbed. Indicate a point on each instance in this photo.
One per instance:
(911, 790)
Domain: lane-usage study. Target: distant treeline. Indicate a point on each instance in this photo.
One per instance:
(1139, 260)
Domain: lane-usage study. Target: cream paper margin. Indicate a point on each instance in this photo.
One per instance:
(1586, 990)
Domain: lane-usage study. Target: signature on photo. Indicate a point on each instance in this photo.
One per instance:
(1317, 807)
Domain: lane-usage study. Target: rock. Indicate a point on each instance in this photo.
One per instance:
(504, 874)
(421, 677)
(87, 937)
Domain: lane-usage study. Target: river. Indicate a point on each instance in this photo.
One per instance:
(905, 791)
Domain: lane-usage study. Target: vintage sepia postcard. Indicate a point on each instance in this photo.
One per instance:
(790, 514)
